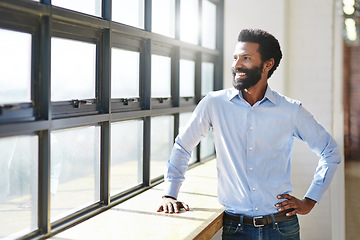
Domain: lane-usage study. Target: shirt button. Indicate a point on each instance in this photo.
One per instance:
(256, 209)
(251, 128)
(253, 189)
(251, 169)
(250, 148)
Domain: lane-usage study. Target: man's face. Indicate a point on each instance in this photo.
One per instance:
(247, 67)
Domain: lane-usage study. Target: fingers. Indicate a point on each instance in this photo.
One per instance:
(173, 207)
(285, 196)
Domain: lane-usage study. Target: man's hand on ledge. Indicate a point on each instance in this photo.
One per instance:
(302, 207)
(171, 205)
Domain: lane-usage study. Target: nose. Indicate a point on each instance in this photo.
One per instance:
(237, 63)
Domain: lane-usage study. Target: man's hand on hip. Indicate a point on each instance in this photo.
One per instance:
(302, 207)
(171, 205)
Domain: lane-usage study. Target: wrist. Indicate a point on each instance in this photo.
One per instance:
(169, 197)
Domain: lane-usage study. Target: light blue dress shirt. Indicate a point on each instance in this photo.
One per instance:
(253, 149)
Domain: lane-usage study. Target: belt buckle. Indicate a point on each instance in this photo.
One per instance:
(254, 222)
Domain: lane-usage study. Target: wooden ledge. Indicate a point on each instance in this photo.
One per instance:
(137, 218)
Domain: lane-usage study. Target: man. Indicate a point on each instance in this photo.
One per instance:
(254, 129)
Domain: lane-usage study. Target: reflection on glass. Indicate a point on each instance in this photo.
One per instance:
(19, 185)
(128, 12)
(189, 18)
(207, 77)
(126, 155)
(207, 147)
(183, 119)
(75, 170)
(15, 67)
(91, 7)
(160, 76)
(72, 69)
(162, 140)
(124, 73)
(187, 78)
(163, 17)
(208, 24)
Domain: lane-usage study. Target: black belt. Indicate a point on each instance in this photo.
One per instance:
(262, 220)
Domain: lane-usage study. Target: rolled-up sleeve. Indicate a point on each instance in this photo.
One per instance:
(196, 128)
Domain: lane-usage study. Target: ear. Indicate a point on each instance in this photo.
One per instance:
(269, 64)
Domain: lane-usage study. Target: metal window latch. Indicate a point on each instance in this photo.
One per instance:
(161, 100)
(77, 103)
(127, 100)
(187, 98)
(9, 107)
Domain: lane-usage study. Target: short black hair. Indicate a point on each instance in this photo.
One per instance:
(269, 46)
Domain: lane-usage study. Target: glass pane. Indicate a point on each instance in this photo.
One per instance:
(15, 67)
(19, 185)
(207, 77)
(208, 24)
(163, 17)
(160, 76)
(126, 155)
(124, 73)
(183, 119)
(72, 69)
(162, 140)
(75, 170)
(207, 146)
(189, 19)
(187, 78)
(91, 7)
(128, 12)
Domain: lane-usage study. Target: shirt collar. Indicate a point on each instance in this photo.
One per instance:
(268, 94)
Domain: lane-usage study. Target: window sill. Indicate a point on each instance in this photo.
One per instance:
(137, 218)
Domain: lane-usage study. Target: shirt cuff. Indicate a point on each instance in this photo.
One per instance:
(172, 189)
(315, 192)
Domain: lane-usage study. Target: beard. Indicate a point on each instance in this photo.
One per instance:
(253, 76)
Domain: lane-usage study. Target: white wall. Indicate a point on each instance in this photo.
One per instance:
(310, 35)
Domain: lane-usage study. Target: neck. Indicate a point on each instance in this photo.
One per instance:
(255, 93)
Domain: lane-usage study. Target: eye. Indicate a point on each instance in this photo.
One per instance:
(246, 58)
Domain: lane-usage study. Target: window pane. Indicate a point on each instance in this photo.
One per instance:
(189, 15)
(19, 185)
(208, 24)
(91, 7)
(124, 73)
(160, 76)
(15, 67)
(184, 118)
(207, 77)
(163, 17)
(162, 139)
(75, 167)
(126, 155)
(187, 78)
(207, 146)
(128, 12)
(72, 69)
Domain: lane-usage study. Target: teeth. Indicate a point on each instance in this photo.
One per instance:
(241, 74)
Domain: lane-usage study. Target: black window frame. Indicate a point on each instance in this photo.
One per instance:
(42, 116)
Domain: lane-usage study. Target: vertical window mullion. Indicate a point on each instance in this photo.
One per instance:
(175, 77)
(146, 151)
(42, 105)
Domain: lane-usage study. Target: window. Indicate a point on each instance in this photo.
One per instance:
(163, 17)
(129, 12)
(208, 24)
(92, 96)
(72, 70)
(124, 73)
(19, 186)
(92, 7)
(15, 67)
(189, 16)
